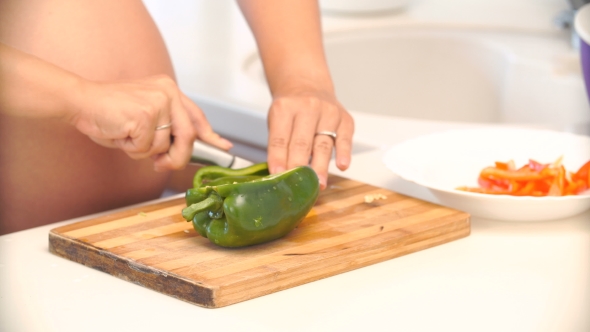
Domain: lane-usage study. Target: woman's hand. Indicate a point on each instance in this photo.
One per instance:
(289, 38)
(121, 114)
(294, 119)
(126, 115)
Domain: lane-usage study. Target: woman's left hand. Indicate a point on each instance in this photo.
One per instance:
(295, 118)
(289, 38)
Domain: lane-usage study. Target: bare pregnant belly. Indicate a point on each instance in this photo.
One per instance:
(49, 171)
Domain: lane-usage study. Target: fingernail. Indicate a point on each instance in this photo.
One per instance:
(323, 182)
(227, 143)
(343, 163)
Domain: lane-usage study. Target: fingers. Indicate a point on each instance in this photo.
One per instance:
(322, 153)
(147, 140)
(148, 117)
(144, 137)
(301, 144)
(324, 144)
(180, 139)
(343, 142)
(280, 122)
(188, 123)
(294, 122)
(204, 131)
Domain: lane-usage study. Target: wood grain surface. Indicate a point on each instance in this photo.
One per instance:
(155, 247)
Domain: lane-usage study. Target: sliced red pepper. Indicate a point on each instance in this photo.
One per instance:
(583, 174)
(575, 187)
(493, 184)
(560, 181)
(520, 175)
(536, 166)
(532, 179)
(507, 166)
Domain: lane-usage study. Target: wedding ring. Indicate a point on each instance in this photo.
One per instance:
(327, 133)
(168, 125)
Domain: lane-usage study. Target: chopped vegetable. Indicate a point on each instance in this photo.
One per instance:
(532, 179)
(374, 197)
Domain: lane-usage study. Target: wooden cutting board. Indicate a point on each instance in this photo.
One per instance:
(155, 247)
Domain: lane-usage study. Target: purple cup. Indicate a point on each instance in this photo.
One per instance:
(582, 26)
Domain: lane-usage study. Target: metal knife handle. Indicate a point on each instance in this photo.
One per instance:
(206, 154)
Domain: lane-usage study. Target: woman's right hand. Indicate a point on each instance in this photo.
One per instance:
(125, 114)
(119, 114)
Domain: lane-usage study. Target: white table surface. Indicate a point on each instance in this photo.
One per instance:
(504, 277)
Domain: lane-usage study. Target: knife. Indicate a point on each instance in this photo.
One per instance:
(206, 154)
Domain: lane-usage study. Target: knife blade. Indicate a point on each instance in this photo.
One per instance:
(206, 154)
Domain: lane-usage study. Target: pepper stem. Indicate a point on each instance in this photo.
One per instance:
(213, 203)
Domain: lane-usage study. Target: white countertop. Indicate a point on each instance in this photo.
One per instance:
(504, 277)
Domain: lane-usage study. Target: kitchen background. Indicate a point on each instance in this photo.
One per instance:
(428, 67)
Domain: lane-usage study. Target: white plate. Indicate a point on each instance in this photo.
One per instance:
(444, 161)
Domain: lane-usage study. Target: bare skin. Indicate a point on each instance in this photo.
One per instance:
(50, 170)
(85, 84)
(289, 38)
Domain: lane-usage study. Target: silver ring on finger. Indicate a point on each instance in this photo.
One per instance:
(168, 125)
(327, 133)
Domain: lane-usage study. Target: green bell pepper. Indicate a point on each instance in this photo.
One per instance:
(237, 208)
